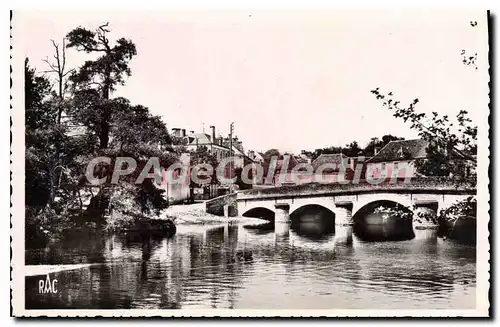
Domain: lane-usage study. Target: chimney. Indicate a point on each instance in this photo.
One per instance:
(214, 140)
(183, 132)
(176, 131)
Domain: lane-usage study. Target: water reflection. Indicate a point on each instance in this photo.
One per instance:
(463, 230)
(233, 266)
(314, 222)
(378, 227)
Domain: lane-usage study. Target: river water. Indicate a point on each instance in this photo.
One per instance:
(234, 266)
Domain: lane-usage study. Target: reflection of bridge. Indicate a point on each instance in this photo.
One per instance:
(424, 196)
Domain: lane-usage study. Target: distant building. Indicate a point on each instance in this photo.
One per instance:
(193, 141)
(398, 155)
(177, 188)
(257, 157)
(219, 146)
(222, 148)
(399, 158)
(328, 167)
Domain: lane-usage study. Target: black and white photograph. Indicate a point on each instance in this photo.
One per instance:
(242, 163)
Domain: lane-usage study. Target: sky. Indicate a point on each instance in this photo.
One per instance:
(290, 80)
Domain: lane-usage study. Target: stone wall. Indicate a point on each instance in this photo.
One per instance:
(432, 185)
(216, 206)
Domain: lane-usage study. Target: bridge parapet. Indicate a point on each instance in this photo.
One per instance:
(430, 185)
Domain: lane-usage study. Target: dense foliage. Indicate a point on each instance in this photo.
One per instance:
(76, 120)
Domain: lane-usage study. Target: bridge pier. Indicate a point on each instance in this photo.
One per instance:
(343, 223)
(226, 232)
(425, 224)
(282, 213)
(282, 219)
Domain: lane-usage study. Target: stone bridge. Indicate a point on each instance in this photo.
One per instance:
(423, 196)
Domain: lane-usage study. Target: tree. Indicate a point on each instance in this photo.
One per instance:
(389, 138)
(352, 149)
(37, 90)
(49, 161)
(436, 128)
(101, 75)
(452, 146)
(147, 128)
(75, 120)
(59, 69)
(51, 168)
(448, 154)
(465, 210)
(328, 150)
(271, 153)
(40, 118)
(376, 143)
(202, 156)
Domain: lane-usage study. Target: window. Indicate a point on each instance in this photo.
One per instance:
(400, 152)
(395, 169)
(383, 171)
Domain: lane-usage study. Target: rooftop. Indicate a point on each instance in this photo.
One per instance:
(202, 138)
(334, 158)
(401, 150)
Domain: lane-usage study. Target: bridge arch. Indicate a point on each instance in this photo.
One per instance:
(310, 207)
(372, 226)
(372, 205)
(260, 212)
(364, 200)
(313, 221)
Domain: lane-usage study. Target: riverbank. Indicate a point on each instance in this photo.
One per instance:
(125, 216)
(195, 214)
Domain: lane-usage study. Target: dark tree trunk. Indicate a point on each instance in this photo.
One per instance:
(106, 116)
(104, 135)
(51, 191)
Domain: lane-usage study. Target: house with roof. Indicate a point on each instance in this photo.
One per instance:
(222, 148)
(277, 171)
(328, 167)
(284, 171)
(325, 169)
(397, 157)
(219, 146)
(303, 157)
(256, 156)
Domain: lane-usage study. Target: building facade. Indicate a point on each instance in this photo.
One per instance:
(332, 168)
(397, 159)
